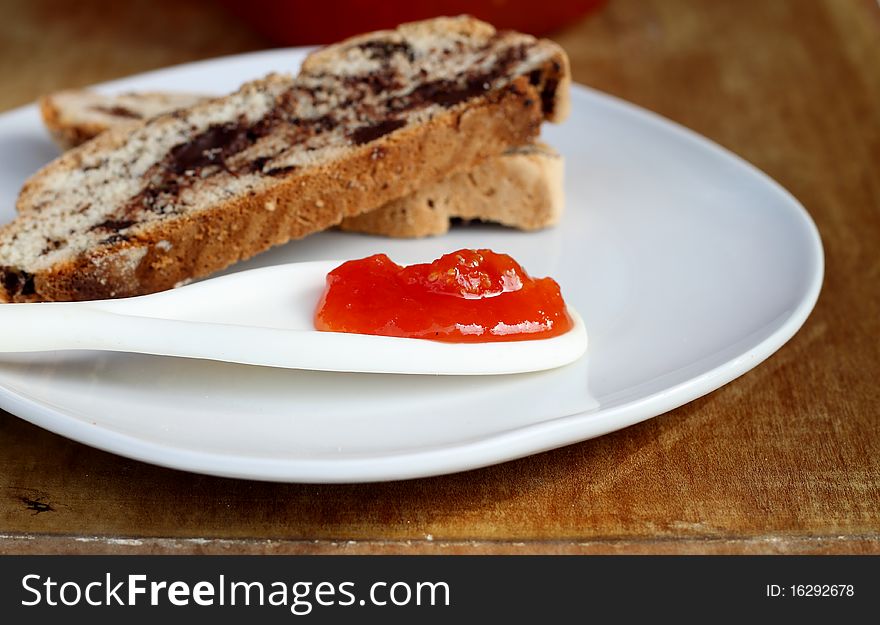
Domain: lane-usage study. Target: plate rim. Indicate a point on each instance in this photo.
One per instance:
(487, 450)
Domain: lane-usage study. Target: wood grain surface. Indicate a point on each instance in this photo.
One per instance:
(786, 459)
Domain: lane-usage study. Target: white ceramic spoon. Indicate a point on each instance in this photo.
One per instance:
(263, 317)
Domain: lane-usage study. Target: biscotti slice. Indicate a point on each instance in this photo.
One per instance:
(147, 206)
(76, 115)
(521, 188)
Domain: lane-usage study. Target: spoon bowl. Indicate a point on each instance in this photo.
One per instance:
(264, 317)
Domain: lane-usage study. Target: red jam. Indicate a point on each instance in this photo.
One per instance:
(468, 296)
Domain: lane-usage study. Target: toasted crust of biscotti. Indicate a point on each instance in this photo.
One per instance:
(521, 188)
(74, 116)
(231, 205)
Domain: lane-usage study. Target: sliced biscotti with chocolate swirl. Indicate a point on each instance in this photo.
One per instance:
(74, 116)
(520, 188)
(374, 118)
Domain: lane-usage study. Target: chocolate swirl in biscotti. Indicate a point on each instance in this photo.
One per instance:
(150, 204)
(77, 115)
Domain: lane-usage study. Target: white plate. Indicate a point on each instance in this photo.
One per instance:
(689, 266)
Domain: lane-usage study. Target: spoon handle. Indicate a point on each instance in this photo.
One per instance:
(83, 325)
(80, 325)
(50, 326)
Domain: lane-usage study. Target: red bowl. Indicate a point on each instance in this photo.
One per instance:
(324, 21)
